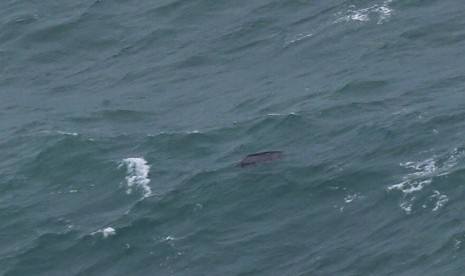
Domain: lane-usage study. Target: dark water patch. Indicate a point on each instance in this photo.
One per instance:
(60, 195)
(249, 46)
(361, 87)
(449, 82)
(32, 260)
(125, 115)
(177, 156)
(240, 218)
(62, 166)
(16, 26)
(68, 31)
(161, 37)
(321, 12)
(168, 96)
(16, 152)
(360, 110)
(262, 157)
(193, 61)
(46, 256)
(452, 120)
(245, 35)
(110, 121)
(249, 104)
(454, 35)
(419, 3)
(168, 7)
(183, 143)
(71, 149)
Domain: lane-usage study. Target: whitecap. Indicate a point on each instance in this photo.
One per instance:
(382, 11)
(282, 114)
(353, 197)
(67, 133)
(195, 131)
(422, 174)
(408, 187)
(407, 207)
(137, 175)
(106, 232)
(441, 200)
(168, 239)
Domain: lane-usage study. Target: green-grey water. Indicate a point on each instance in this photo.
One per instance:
(121, 123)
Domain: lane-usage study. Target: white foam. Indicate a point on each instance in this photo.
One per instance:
(353, 197)
(452, 160)
(298, 37)
(383, 12)
(282, 114)
(67, 133)
(422, 174)
(401, 111)
(195, 131)
(408, 187)
(137, 175)
(441, 200)
(106, 232)
(169, 238)
(407, 207)
(109, 231)
(422, 168)
(457, 243)
(424, 171)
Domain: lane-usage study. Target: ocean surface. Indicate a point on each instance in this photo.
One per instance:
(121, 123)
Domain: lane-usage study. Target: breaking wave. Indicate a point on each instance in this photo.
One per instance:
(137, 175)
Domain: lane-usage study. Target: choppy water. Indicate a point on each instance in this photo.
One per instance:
(121, 122)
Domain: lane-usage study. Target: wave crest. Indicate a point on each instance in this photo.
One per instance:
(137, 175)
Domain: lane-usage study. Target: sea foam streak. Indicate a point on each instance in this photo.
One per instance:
(297, 38)
(137, 175)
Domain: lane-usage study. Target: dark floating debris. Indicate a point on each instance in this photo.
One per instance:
(261, 157)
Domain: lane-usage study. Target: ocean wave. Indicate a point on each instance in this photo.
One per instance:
(297, 38)
(137, 175)
(440, 200)
(422, 175)
(282, 114)
(353, 197)
(194, 131)
(382, 11)
(106, 232)
(67, 133)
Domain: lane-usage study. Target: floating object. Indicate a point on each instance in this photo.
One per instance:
(261, 157)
